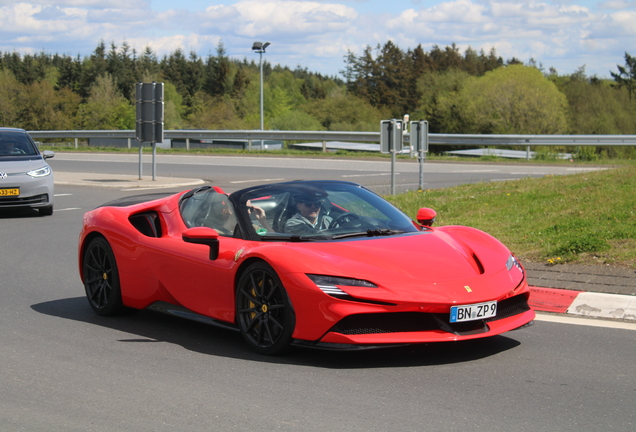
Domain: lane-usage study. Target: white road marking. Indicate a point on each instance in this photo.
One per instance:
(62, 195)
(146, 188)
(368, 175)
(476, 171)
(256, 181)
(67, 209)
(585, 321)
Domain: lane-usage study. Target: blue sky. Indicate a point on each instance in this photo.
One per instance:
(563, 34)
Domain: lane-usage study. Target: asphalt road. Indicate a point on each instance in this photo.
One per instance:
(235, 172)
(63, 368)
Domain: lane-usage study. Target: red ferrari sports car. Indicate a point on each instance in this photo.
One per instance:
(323, 264)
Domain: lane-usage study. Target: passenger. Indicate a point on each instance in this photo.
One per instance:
(310, 217)
(221, 216)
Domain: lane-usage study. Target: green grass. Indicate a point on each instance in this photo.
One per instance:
(584, 218)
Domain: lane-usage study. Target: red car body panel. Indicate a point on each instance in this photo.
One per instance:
(421, 272)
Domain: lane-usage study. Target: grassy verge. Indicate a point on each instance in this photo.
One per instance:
(584, 218)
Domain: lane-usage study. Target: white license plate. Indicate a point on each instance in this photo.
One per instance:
(473, 311)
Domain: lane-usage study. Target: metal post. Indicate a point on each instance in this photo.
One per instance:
(75, 143)
(392, 171)
(141, 166)
(154, 161)
(527, 153)
(261, 68)
(249, 145)
(420, 155)
(422, 127)
(187, 144)
(324, 146)
(392, 145)
(422, 158)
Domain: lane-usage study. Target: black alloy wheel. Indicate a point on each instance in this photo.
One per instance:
(101, 278)
(263, 310)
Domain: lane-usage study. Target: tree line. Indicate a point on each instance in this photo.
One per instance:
(457, 92)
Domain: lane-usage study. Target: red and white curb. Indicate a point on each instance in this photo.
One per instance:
(590, 304)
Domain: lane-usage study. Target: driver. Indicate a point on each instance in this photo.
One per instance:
(7, 147)
(310, 218)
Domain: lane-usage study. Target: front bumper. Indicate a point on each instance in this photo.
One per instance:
(35, 192)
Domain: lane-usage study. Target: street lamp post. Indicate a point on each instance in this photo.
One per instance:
(259, 47)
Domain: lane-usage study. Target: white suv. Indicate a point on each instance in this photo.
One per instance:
(26, 180)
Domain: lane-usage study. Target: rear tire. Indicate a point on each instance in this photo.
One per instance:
(263, 311)
(101, 278)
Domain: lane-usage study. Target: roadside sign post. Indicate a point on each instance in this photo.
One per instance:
(419, 141)
(149, 120)
(391, 141)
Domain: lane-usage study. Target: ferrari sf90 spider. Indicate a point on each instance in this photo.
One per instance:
(322, 264)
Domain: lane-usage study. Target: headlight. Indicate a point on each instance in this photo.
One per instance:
(40, 172)
(328, 283)
(513, 262)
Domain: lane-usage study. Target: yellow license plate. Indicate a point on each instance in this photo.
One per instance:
(10, 192)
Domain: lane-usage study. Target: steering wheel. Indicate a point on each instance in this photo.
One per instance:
(347, 219)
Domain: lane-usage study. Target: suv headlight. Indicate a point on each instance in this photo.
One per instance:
(40, 172)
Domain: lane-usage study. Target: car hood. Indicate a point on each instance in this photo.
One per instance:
(20, 164)
(443, 264)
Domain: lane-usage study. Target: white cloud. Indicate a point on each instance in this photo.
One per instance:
(626, 21)
(617, 4)
(318, 33)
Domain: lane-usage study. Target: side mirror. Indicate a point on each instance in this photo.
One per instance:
(426, 216)
(204, 236)
(47, 154)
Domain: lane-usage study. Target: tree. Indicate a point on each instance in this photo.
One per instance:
(626, 76)
(513, 100)
(439, 101)
(11, 93)
(106, 108)
(43, 108)
(340, 112)
(147, 64)
(596, 106)
(218, 81)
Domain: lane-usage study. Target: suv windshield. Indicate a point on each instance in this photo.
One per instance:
(320, 210)
(14, 143)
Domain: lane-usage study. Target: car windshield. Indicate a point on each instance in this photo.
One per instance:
(323, 210)
(13, 143)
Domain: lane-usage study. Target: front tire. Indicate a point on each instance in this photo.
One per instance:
(101, 278)
(263, 310)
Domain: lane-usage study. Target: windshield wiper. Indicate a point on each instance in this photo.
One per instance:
(292, 238)
(369, 233)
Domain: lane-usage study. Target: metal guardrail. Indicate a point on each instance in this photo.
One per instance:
(369, 137)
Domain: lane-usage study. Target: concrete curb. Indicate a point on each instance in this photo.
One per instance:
(122, 181)
(589, 304)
